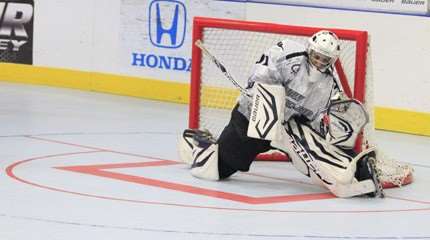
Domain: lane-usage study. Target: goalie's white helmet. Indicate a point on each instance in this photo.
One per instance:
(323, 49)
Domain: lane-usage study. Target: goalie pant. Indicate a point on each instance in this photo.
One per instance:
(335, 167)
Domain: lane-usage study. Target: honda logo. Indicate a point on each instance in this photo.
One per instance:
(167, 23)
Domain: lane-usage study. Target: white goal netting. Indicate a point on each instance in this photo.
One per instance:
(238, 47)
(238, 51)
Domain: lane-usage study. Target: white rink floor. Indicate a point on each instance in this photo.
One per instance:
(82, 165)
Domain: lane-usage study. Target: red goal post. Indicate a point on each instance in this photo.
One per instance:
(239, 44)
(200, 24)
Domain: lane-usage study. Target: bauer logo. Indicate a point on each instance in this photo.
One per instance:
(167, 23)
(16, 31)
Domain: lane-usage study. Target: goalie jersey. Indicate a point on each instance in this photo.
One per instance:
(308, 91)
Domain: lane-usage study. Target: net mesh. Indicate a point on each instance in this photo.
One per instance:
(238, 50)
(392, 172)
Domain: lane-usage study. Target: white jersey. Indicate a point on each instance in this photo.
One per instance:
(308, 91)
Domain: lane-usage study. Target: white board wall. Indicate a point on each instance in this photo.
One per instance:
(84, 35)
(399, 44)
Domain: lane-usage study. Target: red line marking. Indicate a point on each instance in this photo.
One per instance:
(89, 147)
(64, 143)
(97, 171)
(95, 167)
(10, 167)
(281, 179)
(100, 170)
(10, 173)
(411, 200)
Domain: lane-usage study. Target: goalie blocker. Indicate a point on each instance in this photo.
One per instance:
(267, 112)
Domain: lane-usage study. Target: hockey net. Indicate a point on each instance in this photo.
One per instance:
(239, 44)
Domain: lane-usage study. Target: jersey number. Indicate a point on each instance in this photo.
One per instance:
(264, 60)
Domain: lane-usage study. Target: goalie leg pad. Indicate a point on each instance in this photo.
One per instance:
(313, 155)
(190, 140)
(366, 181)
(323, 162)
(205, 162)
(353, 189)
(186, 146)
(366, 170)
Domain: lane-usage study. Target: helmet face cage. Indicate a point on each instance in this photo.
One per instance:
(319, 60)
(324, 44)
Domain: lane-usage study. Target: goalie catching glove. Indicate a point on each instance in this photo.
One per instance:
(345, 121)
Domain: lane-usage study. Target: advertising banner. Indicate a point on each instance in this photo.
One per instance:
(16, 31)
(394, 6)
(156, 35)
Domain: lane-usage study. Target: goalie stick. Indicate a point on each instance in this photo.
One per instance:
(221, 67)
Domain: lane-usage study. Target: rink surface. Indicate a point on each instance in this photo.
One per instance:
(83, 165)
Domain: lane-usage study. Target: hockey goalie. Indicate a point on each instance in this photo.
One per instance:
(292, 103)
